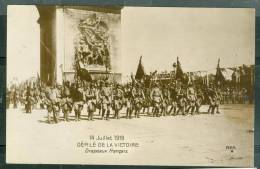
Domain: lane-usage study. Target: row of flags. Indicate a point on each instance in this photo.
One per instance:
(140, 73)
(219, 77)
(234, 74)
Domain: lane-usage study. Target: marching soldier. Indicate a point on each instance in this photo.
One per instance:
(105, 97)
(138, 96)
(90, 97)
(15, 98)
(118, 100)
(218, 98)
(77, 97)
(128, 101)
(66, 101)
(55, 107)
(156, 96)
(28, 100)
(165, 99)
(147, 100)
(191, 98)
(173, 99)
(181, 101)
(47, 101)
(210, 93)
(199, 100)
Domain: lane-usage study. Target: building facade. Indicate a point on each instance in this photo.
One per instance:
(82, 37)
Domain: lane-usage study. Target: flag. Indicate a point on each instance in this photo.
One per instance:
(219, 78)
(140, 70)
(174, 65)
(179, 72)
(83, 72)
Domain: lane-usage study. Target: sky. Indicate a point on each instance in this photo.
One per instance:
(23, 42)
(198, 36)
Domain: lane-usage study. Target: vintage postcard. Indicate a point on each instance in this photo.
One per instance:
(130, 85)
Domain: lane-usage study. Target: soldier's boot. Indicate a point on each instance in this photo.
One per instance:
(54, 117)
(108, 113)
(197, 110)
(103, 114)
(187, 110)
(213, 110)
(89, 115)
(209, 110)
(154, 112)
(174, 111)
(138, 114)
(148, 111)
(143, 110)
(183, 111)
(66, 116)
(127, 113)
(177, 111)
(57, 116)
(217, 110)
(118, 117)
(49, 118)
(115, 115)
(130, 114)
(157, 112)
(192, 110)
(80, 109)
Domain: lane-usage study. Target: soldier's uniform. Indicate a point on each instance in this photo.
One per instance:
(15, 98)
(156, 96)
(218, 98)
(128, 101)
(105, 98)
(66, 102)
(138, 96)
(54, 103)
(244, 95)
(181, 102)
(165, 100)
(191, 98)
(46, 99)
(77, 98)
(199, 100)
(90, 97)
(210, 93)
(28, 100)
(173, 99)
(118, 100)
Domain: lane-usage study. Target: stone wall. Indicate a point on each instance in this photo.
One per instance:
(69, 39)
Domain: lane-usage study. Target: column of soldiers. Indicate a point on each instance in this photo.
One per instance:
(107, 100)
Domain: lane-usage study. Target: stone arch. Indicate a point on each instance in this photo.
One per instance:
(47, 43)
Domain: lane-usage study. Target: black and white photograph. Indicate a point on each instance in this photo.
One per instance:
(120, 85)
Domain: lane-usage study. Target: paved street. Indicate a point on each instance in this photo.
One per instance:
(204, 139)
